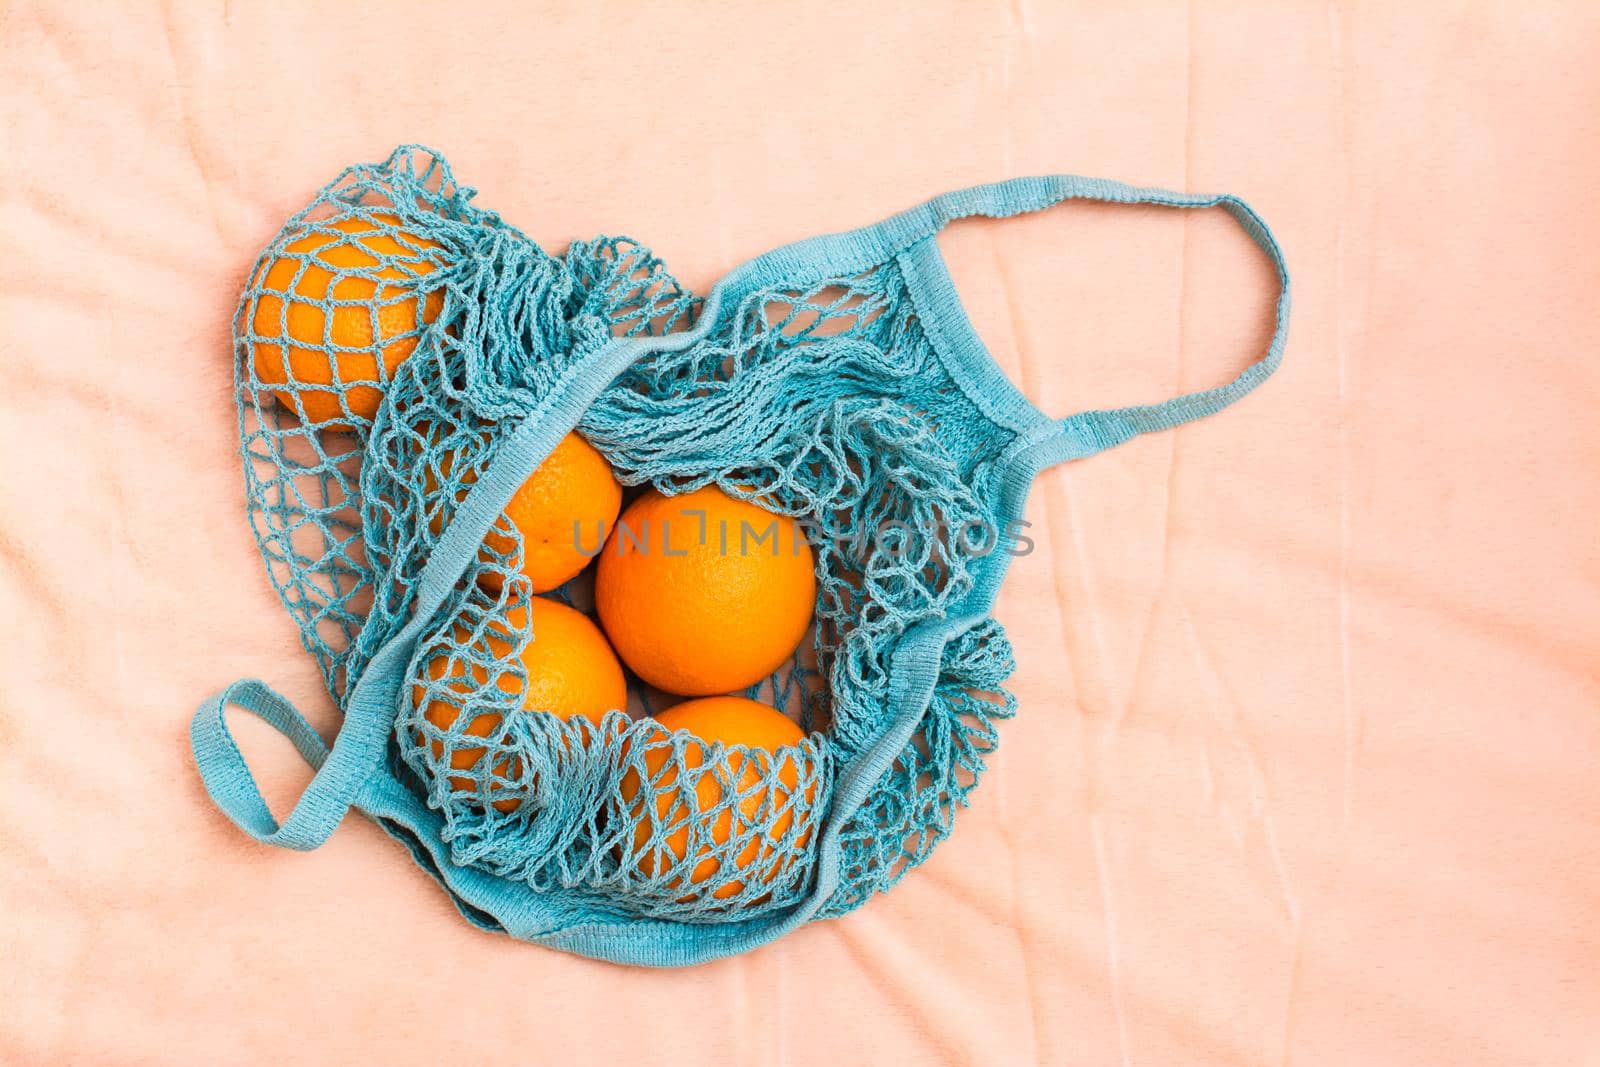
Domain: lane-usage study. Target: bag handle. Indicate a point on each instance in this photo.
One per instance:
(228, 779)
(341, 772)
(1089, 432)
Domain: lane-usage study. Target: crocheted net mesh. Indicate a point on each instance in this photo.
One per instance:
(821, 399)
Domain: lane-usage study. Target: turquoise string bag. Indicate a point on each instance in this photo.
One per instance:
(837, 380)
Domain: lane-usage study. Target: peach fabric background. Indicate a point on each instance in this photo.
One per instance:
(1306, 765)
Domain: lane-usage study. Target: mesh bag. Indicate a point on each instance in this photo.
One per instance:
(405, 359)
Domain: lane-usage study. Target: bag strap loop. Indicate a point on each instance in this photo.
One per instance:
(228, 779)
(1089, 432)
(1092, 431)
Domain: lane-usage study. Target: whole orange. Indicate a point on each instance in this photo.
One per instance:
(325, 356)
(702, 593)
(562, 512)
(730, 721)
(570, 671)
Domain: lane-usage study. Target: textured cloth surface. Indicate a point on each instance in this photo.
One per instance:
(1304, 768)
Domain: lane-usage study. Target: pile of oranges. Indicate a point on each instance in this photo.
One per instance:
(700, 595)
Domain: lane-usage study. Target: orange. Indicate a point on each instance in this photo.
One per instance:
(731, 721)
(702, 593)
(571, 671)
(563, 513)
(288, 313)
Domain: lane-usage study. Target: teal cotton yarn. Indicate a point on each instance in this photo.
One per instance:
(837, 380)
